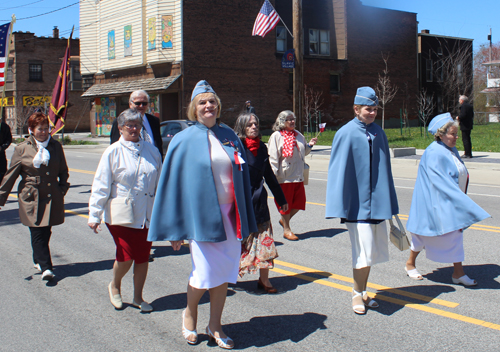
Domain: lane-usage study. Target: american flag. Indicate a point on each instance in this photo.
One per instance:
(4, 50)
(266, 20)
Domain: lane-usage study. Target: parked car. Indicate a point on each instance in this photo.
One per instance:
(169, 128)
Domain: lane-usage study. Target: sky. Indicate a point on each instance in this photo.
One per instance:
(456, 18)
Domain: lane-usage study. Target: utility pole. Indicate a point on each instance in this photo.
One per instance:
(298, 45)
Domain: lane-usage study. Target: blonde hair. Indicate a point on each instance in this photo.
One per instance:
(191, 110)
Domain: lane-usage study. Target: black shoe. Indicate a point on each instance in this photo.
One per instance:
(466, 156)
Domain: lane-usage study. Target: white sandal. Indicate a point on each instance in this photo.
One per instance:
(414, 274)
(187, 333)
(370, 303)
(358, 308)
(464, 280)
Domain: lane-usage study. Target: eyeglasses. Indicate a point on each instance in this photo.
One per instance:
(140, 103)
(133, 127)
(289, 120)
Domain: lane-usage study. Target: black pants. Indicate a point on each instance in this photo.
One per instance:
(40, 237)
(467, 143)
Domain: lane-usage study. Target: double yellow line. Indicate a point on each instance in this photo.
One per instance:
(380, 296)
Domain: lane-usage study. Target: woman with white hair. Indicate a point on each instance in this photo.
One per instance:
(287, 151)
(130, 169)
(440, 208)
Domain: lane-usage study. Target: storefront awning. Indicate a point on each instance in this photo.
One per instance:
(127, 87)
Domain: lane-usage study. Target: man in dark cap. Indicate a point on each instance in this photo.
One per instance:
(250, 108)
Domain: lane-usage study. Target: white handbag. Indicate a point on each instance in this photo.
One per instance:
(398, 235)
(121, 209)
(306, 174)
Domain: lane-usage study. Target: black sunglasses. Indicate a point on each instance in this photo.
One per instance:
(140, 103)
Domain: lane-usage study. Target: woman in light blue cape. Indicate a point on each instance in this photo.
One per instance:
(361, 192)
(204, 196)
(440, 208)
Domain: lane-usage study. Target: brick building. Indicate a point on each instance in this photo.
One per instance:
(34, 64)
(343, 40)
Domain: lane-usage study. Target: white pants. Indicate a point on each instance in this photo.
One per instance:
(369, 243)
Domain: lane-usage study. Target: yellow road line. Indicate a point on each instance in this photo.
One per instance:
(83, 171)
(400, 302)
(371, 285)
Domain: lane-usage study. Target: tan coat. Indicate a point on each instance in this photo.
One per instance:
(289, 169)
(40, 191)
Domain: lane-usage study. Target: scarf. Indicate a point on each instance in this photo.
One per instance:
(43, 155)
(289, 143)
(253, 145)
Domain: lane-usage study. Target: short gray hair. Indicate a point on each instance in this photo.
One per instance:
(280, 120)
(444, 129)
(241, 124)
(129, 115)
(464, 98)
(137, 93)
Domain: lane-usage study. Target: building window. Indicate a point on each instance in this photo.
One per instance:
(319, 42)
(334, 83)
(460, 73)
(440, 72)
(290, 82)
(35, 72)
(428, 70)
(440, 50)
(75, 77)
(280, 39)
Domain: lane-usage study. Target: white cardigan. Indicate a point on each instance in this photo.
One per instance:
(114, 177)
(289, 169)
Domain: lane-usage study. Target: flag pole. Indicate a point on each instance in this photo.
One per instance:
(298, 44)
(6, 67)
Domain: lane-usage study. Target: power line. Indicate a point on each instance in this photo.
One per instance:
(46, 13)
(15, 7)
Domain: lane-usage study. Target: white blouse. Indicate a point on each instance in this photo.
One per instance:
(115, 175)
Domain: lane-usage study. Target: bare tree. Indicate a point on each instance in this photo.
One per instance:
(454, 73)
(425, 106)
(386, 91)
(313, 102)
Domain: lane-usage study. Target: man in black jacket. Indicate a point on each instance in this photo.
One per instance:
(139, 100)
(5, 141)
(466, 119)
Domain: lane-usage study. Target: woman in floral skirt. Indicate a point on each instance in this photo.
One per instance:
(258, 249)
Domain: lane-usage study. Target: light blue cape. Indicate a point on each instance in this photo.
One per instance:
(186, 205)
(358, 189)
(438, 205)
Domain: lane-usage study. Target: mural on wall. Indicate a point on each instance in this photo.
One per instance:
(105, 113)
(111, 44)
(127, 40)
(167, 31)
(152, 33)
(154, 105)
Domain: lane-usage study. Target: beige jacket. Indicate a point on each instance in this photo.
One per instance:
(289, 169)
(41, 191)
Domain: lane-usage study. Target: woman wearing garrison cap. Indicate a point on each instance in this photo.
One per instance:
(440, 209)
(360, 191)
(204, 197)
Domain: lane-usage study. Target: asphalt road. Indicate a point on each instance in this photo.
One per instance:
(312, 311)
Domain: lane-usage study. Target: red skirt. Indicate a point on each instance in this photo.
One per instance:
(131, 244)
(295, 195)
